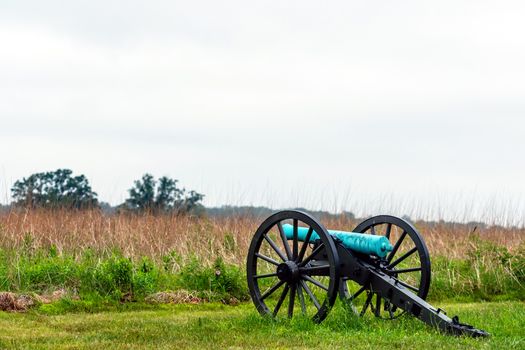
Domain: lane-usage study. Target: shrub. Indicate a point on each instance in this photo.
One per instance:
(44, 270)
(221, 280)
(487, 272)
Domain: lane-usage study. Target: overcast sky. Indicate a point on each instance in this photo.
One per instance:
(406, 107)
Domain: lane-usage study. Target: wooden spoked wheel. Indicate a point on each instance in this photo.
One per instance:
(408, 263)
(290, 277)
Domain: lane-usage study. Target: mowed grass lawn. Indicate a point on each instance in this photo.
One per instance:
(208, 326)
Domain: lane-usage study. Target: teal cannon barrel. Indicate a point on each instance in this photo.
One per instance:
(359, 242)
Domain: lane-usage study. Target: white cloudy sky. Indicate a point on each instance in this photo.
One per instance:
(411, 107)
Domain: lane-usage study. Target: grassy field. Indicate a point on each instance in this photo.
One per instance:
(228, 237)
(128, 257)
(94, 280)
(209, 326)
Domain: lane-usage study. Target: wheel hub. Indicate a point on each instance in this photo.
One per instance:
(288, 272)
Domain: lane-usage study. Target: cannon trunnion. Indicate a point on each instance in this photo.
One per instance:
(296, 266)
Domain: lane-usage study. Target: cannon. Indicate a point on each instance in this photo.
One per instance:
(295, 266)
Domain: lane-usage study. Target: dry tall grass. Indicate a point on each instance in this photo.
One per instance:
(208, 238)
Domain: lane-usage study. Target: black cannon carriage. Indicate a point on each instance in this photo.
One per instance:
(296, 266)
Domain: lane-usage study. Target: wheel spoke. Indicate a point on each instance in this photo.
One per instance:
(388, 230)
(406, 255)
(396, 246)
(310, 294)
(265, 275)
(393, 308)
(305, 244)
(317, 283)
(356, 294)
(280, 302)
(271, 290)
(292, 301)
(378, 306)
(274, 246)
(367, 302)
(295, 239)
(301, 298)
(390, 311)
(310, 270)
(404, 284)
(285, 241)
(268, 259)
(311, 256)
(412, 269)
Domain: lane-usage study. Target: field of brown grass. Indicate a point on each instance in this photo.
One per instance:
(206, 237)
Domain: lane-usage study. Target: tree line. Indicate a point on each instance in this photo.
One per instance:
(59, 189)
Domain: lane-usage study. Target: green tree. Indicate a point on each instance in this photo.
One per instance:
(54, 189)
(162, 196)
(142, 195)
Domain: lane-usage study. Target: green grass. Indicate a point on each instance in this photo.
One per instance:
(487, 272)
(221, 326)
(104, 305)
(113, 276)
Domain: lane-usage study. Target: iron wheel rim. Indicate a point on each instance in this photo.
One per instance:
(373, 301)
(302, 287)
